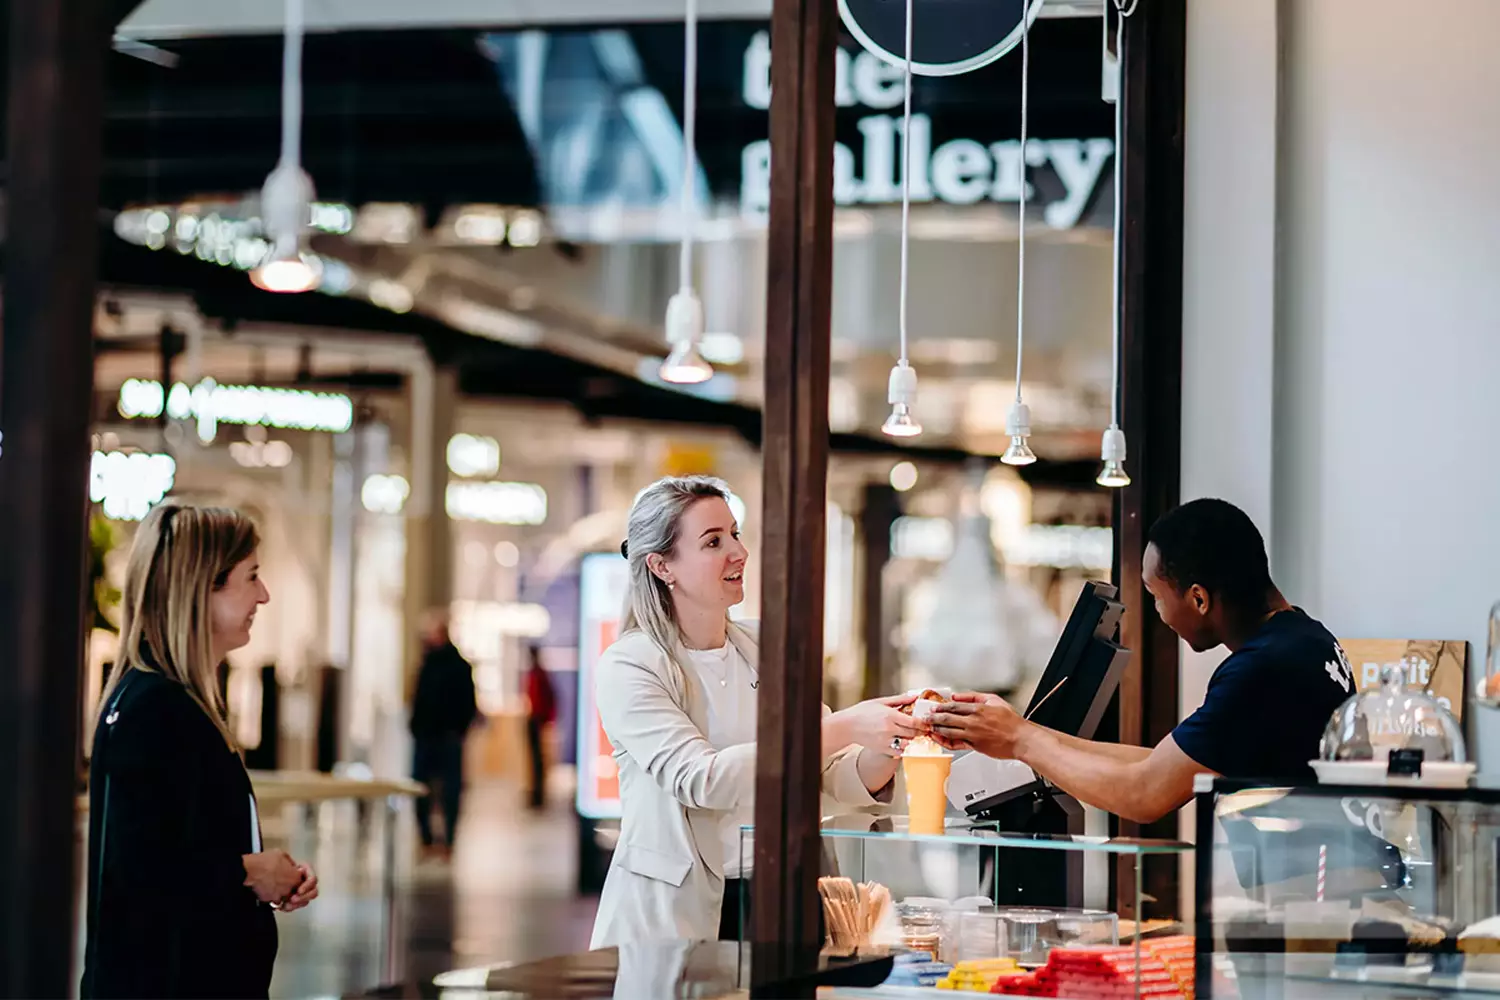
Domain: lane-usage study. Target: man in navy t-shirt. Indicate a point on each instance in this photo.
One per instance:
(1267, 704)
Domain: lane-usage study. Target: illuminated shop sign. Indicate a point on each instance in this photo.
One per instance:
(959, 172)
(604, 580)
(211, 404)
(611, 139)
(1058, 546)
(490, 503)
(128, 484)
(472, 455)
(497, 503)
(382, 494)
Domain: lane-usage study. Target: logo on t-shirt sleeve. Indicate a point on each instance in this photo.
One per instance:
(1339, 669)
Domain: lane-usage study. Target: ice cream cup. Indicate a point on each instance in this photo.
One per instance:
(926, 789)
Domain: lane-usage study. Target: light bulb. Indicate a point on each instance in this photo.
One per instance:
(1018, 426)
(1112, 453)
(900, 423)
(285, 208)
(901, 394)
(1019, 452)
(685, 366)
(288, 271)
(1113, 475)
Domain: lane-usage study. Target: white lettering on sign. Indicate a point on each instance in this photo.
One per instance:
(959, 172)
(211, 404)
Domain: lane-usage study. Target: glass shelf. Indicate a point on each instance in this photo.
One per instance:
(961, 831)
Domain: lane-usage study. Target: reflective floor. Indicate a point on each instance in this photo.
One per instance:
(507, 895)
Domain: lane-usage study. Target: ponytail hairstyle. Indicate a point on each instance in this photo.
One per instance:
(655, 520)
(182, 553)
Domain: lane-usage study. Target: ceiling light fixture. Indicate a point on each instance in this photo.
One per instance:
(287, 196)
(1112, 448)
(1018, 422)
(902, 391)
(685, 365)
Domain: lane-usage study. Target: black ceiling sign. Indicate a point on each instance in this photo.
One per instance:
(949, 37)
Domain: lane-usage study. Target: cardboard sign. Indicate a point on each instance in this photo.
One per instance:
(1438, 665)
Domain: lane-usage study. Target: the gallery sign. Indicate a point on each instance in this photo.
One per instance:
(960, 171)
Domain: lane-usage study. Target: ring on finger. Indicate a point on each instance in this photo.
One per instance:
(895, 743)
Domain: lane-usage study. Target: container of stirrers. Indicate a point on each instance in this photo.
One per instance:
(852, 912)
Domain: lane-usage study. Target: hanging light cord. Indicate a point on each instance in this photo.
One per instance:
(1124, 11)
(906, 185)
(291, 85)
(689, 139)
(1114, 412)
(1021, 241)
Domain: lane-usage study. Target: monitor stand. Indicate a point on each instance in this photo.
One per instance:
(1040, 877)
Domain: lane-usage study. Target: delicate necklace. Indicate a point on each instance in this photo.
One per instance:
(716, 661)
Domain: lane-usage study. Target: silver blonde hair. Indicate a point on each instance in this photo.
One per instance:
(655, 519)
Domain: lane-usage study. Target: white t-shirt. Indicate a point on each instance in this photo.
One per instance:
(728, 685)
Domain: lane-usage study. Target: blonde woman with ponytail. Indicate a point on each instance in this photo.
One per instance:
(180, 887)
(677, 696)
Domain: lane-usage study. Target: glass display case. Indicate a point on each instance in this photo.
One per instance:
(1384, 889)
(978, 909)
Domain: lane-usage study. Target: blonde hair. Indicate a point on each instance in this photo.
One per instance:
(182, 553)
(655, 518)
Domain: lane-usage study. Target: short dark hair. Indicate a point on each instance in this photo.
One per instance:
(1214, 544)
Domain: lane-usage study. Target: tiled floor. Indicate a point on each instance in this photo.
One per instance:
(508, 895)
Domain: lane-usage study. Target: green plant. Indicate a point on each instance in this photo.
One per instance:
(104, 597)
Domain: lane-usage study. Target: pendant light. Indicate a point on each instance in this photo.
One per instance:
(287, 196)
(685, 365)
(1112, 448)
(1018, 421)
(902, 391)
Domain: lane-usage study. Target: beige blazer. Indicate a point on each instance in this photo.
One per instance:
(666, 879)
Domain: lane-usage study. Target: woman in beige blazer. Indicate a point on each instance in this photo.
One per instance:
(676, 694)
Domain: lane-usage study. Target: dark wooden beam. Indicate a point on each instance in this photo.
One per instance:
(1154, 62)
(57, 55)
(798, 317)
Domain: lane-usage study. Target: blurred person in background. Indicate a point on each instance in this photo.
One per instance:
(180, 888)
(677, 696)
(443, 709)
(541, 712)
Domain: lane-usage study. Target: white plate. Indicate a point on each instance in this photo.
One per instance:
(1435, 774)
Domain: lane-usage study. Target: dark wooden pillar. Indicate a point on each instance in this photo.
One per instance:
(1154, 62)
(798, 316)
(878, 512)
(57, 54)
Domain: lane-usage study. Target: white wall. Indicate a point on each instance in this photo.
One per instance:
(1341, 317)
(1388, 332)
(1340, 390)
(1229, 268)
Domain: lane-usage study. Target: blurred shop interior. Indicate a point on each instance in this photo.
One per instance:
(461, 411)
(497, 231)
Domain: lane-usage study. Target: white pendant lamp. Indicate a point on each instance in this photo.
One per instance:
(1112, 449)
(287, 196)
(902, 391)
(685, 365)
(1018, 421)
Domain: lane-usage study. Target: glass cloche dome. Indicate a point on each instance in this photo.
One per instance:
(1390, 717)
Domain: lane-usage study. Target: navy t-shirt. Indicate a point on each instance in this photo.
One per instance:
(1269, 702)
